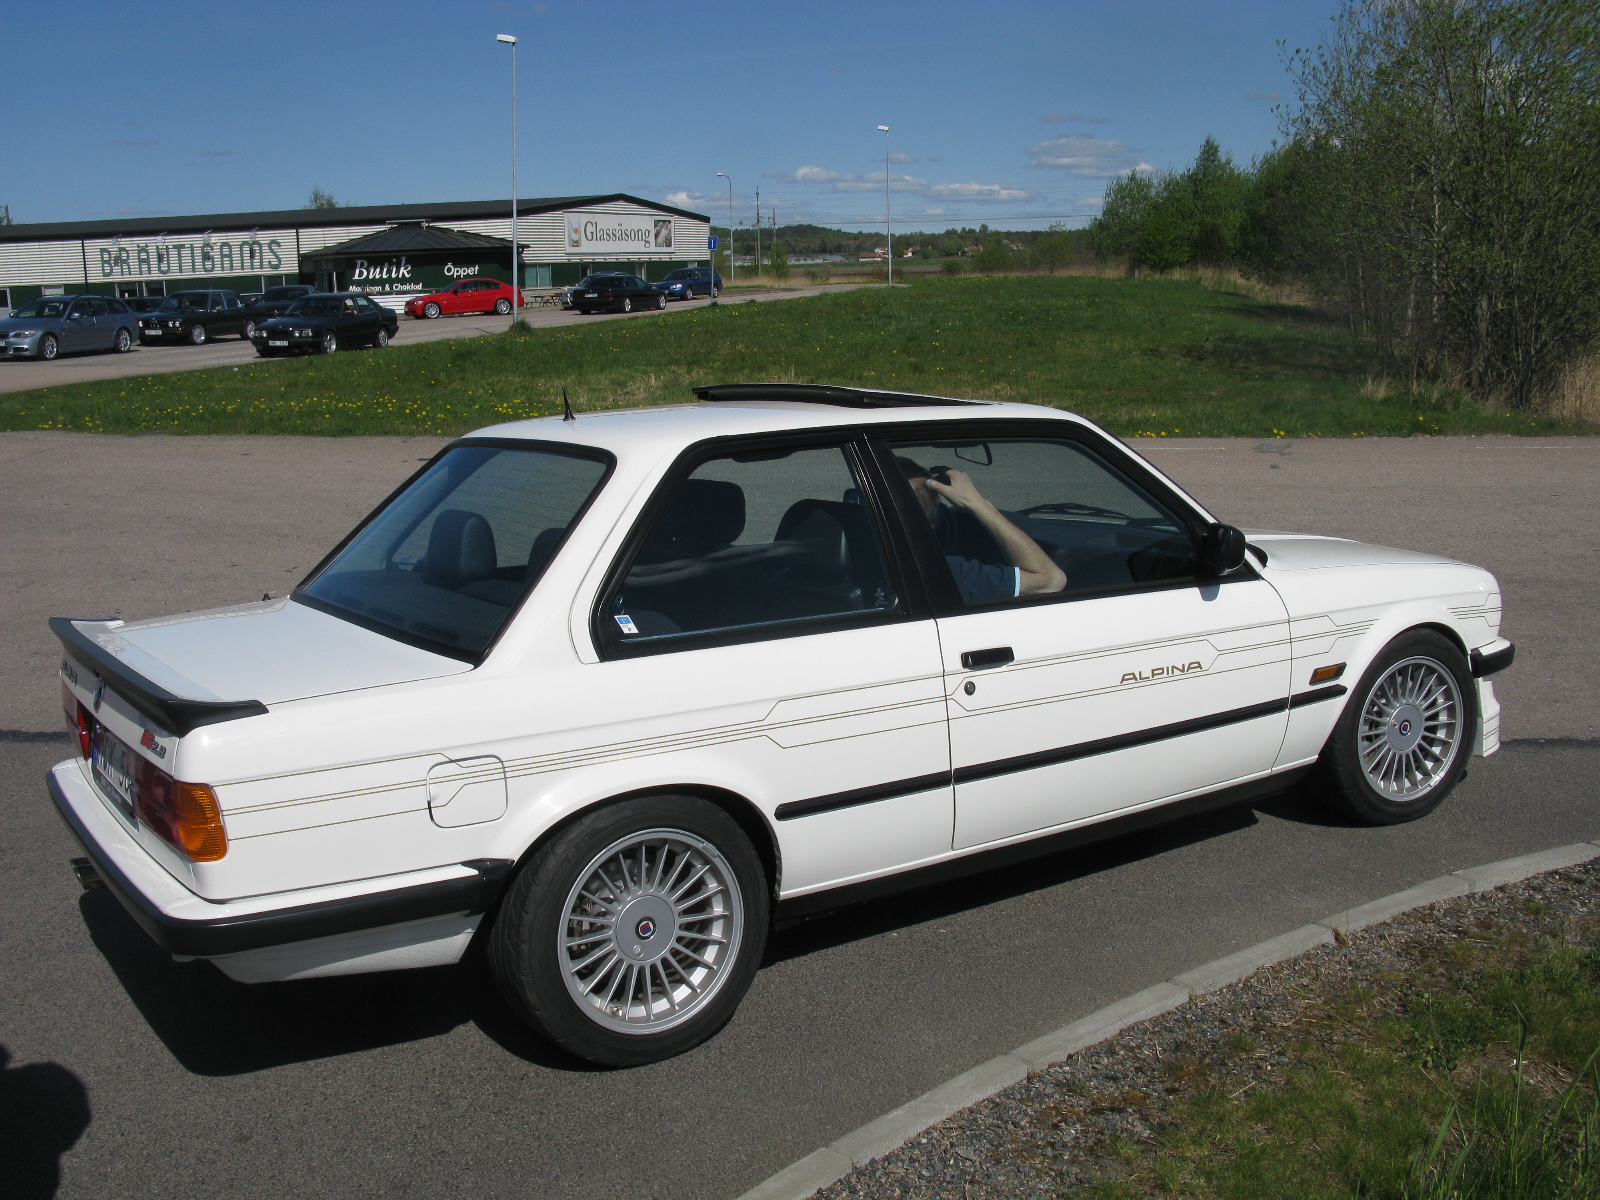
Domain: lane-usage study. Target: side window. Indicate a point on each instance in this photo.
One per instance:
(1021, 517)
(753, 541)
(216, 302)
(231, 300)
(80, 308)
(99, 307)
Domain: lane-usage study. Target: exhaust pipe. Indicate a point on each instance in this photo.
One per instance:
(88, 878)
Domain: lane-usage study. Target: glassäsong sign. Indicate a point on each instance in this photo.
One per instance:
(617, 233)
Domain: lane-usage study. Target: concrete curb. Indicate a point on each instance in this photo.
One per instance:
(892, 1130)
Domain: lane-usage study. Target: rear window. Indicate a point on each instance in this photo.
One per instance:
(444, 564)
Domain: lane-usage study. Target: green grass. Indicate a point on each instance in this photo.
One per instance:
(1482, 1087)
(1153, 357)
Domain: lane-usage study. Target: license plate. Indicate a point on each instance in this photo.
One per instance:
(114, 765)
(590, 295)
(277, 341)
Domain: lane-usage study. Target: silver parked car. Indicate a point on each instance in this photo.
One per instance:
(52, 325)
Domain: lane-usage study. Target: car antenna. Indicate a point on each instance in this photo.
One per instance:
(566, 405)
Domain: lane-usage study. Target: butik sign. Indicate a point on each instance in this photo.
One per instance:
(384, 275)
(617, 233)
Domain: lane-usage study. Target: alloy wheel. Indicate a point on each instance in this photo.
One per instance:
(1411, 729)
(653, 925)
(48, 347)
(197, 335)
(430, 310)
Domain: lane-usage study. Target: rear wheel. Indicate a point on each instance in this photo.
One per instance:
(430, 310)
(381, 338)
(329, 343)
(627, 304)
(49, 347)
(124, 341)
(249, 330)
(715, 292)
(661, 301)
(502, 306)
(197, 335)
(1402, 743)
(633, 934)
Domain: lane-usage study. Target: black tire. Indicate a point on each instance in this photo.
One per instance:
(329, 343)
(627, 304)
(431, 311)
(197, 334)
(525, 943)
(661, 302)
(1341, 780)
(249, 330)
(124, 341)
(715, 292)
(502, 306)
(49, 347)
(380, 339)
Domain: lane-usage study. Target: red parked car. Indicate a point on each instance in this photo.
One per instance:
(468, 296)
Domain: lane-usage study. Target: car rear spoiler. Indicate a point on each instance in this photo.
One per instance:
(176, 714)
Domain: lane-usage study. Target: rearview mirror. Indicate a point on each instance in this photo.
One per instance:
(1222, 550)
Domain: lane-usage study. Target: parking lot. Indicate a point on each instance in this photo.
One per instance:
(153, 1078)
(20, 374)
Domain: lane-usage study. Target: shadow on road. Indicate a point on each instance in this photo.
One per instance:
(44, 1109)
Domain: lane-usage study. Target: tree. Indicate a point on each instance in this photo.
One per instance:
(995, 257)
(1451, 152)
(778, 259)
(322, 199)
(1055, 248)
(1114, 234)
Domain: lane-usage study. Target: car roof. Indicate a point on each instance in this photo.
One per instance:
(745, 410)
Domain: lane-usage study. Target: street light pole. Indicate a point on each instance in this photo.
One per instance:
(732, 274)
(888, 221)
(758, 236)
(516, 246)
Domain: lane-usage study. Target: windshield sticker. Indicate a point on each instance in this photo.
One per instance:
(624, 620)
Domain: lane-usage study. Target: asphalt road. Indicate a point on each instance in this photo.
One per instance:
(151, 1078)
(19, 374)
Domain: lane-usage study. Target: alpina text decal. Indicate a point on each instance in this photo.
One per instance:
(1161, 672)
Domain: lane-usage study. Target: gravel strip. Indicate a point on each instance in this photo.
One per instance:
(1054, 1131)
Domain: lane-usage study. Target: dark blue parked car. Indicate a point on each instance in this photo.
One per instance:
(688, 282)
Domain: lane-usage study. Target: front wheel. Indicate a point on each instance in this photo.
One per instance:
(661, 302)
(124, 341)
(431, 310)
(503, 306)
(715, 292)
(197, 335)
(330, 341)
(249, 330)
(381, 338)
(1402, 743)
(627, 304)
(632, 935)
(49, 347)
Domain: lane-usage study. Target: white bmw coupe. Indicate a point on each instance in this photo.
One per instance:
(616, 694)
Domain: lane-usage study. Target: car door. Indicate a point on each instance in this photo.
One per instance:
(104, 333)
(1105, 672)
(757, 634)
(77, 330)
(233, 314)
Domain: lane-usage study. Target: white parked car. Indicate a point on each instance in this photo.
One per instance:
(617, 693)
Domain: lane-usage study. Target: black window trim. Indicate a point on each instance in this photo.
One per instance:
(911, 602)
(937, 579)
(570, 449)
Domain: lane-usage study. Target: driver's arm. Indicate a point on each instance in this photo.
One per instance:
(1039, 574)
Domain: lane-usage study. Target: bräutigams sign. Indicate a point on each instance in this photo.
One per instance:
(614, 233)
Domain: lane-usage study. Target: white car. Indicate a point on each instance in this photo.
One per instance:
(616, 694)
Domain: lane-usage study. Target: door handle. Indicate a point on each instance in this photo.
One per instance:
(977, 660)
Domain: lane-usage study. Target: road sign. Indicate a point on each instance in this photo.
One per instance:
(711, 242)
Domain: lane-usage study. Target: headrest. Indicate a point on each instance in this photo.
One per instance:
(460, 549)
(704, 513)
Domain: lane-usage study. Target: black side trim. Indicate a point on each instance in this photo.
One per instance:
(802, 908)
(1317, 695)
(1484, 665)
(175, 714)
(866, 795)
(256, 931)
(1123, 741)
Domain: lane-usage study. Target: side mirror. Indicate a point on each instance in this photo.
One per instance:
(1222, 550)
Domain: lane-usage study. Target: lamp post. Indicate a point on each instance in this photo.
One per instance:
(516, 247)
(888, 222)
(732, 274)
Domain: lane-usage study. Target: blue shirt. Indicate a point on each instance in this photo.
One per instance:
(982, 583)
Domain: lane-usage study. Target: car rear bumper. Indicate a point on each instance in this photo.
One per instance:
(189, 925)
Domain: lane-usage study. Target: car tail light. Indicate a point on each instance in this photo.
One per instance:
(78, 720)
(185, 814)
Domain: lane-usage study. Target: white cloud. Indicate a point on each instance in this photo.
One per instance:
(874, 183)
(978, 191)
(1083, 155)
(806, 175)
(902, 158)
(682, 198)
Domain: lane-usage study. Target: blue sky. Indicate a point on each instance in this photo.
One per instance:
(1006, 113)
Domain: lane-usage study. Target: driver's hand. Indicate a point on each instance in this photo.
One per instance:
(960, 491)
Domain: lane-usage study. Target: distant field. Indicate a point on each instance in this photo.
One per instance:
(1151, 357)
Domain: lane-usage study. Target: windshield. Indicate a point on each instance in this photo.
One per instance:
(449, 558)
(45, 306)
(284, 293)
(315, 306)
(188, 301)
(684, 273)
